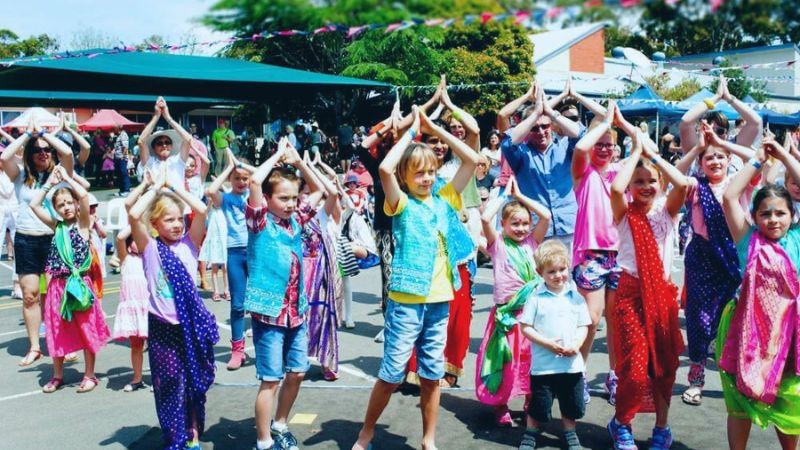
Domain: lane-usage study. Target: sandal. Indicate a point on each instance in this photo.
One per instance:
(693, 395)
(133, 387)
(88, 384)
(71, 357)
(53, 385)
(227, 295)
(216, 297)
(31, 357)
(451, 380)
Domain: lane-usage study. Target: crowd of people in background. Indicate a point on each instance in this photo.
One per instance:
(577, 222)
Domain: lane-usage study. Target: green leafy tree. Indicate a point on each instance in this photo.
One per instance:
(681, 91)
(468, 54)
(11, 46)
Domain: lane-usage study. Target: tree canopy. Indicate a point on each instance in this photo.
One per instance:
(496, 52)
(11, 46)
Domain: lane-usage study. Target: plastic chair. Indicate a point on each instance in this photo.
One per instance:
(116, 215)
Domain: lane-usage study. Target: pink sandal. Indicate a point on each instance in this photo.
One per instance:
(216, 297)
(53, 385)
(86, 386)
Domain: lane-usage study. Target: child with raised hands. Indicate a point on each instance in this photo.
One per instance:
(596, 241)
(275, 295)
(233, 205)
(73, 318)
(424, 271)
(758, 333)
(648, 338)
(504, 358)
(711, 254)
(181, 331)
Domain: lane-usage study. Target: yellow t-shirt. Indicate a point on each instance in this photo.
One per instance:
(441, 286)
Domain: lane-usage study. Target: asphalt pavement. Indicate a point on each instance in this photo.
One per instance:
(327, 415)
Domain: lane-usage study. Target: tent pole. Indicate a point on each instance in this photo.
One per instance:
(658, 128)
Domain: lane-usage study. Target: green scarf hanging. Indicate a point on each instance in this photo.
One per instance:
(498, 352)
(77, 294)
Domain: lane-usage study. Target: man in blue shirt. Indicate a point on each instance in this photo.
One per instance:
(542, 163)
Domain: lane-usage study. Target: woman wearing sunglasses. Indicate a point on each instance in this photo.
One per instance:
(28, 161)
(158, 148)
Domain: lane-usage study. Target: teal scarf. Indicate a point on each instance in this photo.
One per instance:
(498, 352)
(77, 294)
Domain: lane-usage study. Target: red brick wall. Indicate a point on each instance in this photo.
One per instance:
(588, 54)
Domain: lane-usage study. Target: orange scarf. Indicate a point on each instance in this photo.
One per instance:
(659, 297)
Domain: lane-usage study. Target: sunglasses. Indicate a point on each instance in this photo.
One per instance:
(162, 143)
(41, 150)
(719, 131)
(606, 145)
(540, 128)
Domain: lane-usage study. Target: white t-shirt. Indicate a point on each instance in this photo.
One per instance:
(663, 226)
(27, 222)
(556, 317)
(176, 168)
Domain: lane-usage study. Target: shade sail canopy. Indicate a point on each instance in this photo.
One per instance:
(41, 116)
(645, 102)
(108, 119)
(10, 97)
(167, 74)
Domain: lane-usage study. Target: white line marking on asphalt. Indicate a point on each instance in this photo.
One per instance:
(9, 333)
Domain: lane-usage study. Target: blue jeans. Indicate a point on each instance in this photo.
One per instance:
(121, 166)
(237, 283)
(423, 326)
(280, 350)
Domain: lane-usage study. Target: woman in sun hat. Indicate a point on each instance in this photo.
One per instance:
(170, 147)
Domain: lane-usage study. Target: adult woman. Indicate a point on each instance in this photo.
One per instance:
(32, 241)
(493, 154)
(162, 143)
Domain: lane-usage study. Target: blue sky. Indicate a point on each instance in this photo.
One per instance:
(130, 21)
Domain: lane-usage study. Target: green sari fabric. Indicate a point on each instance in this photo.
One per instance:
(498, 353)
(77, 294)
(784, 413)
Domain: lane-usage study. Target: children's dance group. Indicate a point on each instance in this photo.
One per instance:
(579, 234)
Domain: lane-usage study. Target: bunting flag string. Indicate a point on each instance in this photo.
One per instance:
(536, 17)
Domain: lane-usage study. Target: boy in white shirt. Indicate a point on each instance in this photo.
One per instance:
(555, 319)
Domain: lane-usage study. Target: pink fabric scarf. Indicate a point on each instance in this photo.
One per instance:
(765, 322)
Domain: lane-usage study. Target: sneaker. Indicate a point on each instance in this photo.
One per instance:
(621, 435)
(284, 441)
(611, 388)
(528, 440)
(586, 397)
(573, 443)
(662, 438)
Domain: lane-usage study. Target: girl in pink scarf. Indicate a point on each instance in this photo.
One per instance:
(758, 342)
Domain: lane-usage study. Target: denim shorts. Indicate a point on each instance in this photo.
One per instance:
(408, 326)
(598, 269)
(280, 350)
